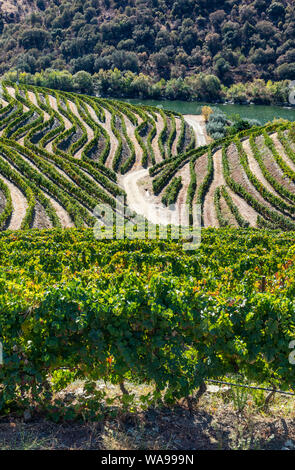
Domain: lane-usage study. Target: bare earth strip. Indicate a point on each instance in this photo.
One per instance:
(130, 128)
(33, 99)
(282, 152)
(11, 91)
(67, 123)
(21, 141)
(155, 142)
(144, 204)
(256, 170)
(48, 147)
(113, 139)
(53, 104)
(178, 128)
(185, 179)
(197, 123)
(209, 213)
(3, 101)
(239, 175)
(57, 168)
(246, 211)
(200, 170)
(19, 203)
(61, 213)
(89, 131)
(273, 167)
(92, 113)
(227, 213)
(41, 219)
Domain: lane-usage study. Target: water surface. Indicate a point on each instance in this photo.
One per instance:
(264, 114)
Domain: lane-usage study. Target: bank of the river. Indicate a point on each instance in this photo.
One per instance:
(263, 113)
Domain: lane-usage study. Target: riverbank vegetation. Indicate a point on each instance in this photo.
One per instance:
(220, 125)
(117, 84)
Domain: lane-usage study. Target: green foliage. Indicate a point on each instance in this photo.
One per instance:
(220, 125)
(168, 39)
(145, 311)
(170, 195)
(117, 84)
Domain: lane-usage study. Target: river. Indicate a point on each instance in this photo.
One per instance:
(264, 114)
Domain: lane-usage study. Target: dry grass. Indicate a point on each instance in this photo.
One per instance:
(224, 419)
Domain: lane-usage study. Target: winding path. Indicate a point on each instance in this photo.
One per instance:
(144, 204)
(196, 121)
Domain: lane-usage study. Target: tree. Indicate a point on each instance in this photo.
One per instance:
(206, 112)
(83, 82)
(34, 38)
(264, 56)
(213, 87)
(286, 71)
(213, 42)
(221, 67)
(161, 64)
(266, 29)
(217, 17)
(41, 4)
(124, 60)
(276, 12)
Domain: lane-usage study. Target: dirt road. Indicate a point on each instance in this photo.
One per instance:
(197, 123)
(143, 203)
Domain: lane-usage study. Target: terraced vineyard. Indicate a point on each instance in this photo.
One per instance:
(61, 154)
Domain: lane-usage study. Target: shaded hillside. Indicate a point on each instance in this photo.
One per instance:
(235, 40)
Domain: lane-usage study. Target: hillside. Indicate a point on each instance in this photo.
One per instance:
(62, 154)
(80, 317)
(15, 11)
(55, 147)
(234, 40)
(130, 333)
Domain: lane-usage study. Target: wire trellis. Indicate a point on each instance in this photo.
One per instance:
(272, 390)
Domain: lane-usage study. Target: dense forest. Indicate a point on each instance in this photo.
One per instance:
(237, 41)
